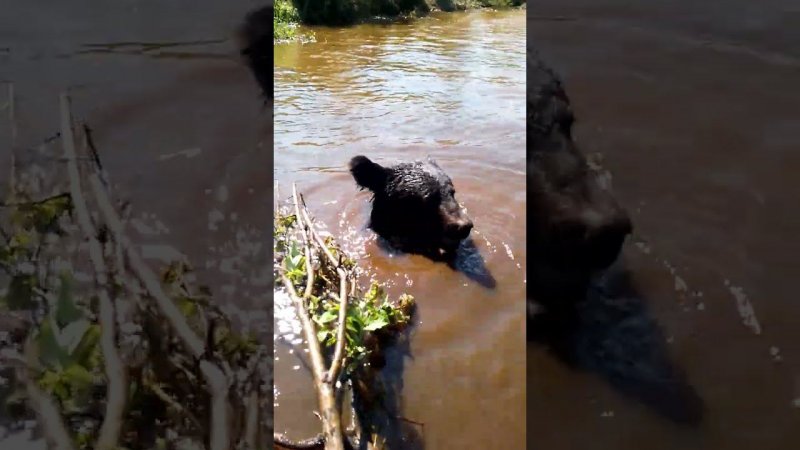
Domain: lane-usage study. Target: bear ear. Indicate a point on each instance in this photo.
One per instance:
(254, 38)
(368, 174)
(432, 161)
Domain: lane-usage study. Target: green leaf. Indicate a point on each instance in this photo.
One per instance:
(87, 352)
(77, 377)
(353, 326)
(66, 309)
(328, 316)
(20, 292)
(72, 334)
(376, 324)
(187, 306)
(6, 254)
(50, 352)
(21, 240)
(42, 216)
(49, 380)
(322, 335)
(294, 258)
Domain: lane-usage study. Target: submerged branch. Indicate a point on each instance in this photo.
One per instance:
(332, 326)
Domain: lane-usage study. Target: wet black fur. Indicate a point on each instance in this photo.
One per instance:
(412, 205)
(575, 225)
(584, 306)
(256, 46)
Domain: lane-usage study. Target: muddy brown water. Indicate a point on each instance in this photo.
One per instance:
(450, 86)
(177, 120)
(694, 109)
(693, 106)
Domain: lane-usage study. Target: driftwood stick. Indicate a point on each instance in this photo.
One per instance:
(216, 379)
(116, 373)
(12, 118)
(252, 435)
(325, 381)
(338, 355)
(326, 396)
(305, 228)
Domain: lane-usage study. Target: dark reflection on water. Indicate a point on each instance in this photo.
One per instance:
(467, 260)
(612, 333)
(693, 108)
(385, 411)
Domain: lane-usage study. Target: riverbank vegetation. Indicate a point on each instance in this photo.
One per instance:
(99, 348)
(289, 13)
(346, 329)
(105, 350)
(285, 20)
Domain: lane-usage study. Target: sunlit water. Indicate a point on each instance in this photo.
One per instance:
(449, 86)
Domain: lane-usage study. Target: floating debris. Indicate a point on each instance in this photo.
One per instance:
(745, 308)
(188, 153)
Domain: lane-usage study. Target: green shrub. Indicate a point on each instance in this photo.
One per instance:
(284, 20)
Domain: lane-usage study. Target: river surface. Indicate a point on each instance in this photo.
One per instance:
(449, 86)
(692, 105)
(695, 110)
(178, 123)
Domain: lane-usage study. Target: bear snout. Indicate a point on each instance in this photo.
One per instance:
(604, 243)
(459, 229)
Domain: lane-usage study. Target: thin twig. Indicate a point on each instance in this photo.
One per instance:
(252, 418)
(317, 237)
(215, 377)
(33, 202)
(116, 373)
(338, 354)
(325, 384)
(156, 389)
(314, 348)
(326, 396)
(12, 117)
(95, 155)
(309, 256)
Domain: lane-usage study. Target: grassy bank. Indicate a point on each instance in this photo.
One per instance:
(284, 21)
(288, 13)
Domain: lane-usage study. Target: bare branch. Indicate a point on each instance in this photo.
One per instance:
(252, 435)
(314, 349)
(156, 389)
(116, 372)
(12, 118)
(309, 256)
(216, 379)
(338, 355)
(46, 409)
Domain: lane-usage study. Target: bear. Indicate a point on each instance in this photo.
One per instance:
(255, 38)
(584, 304)
(414, 207)
(576, 227)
